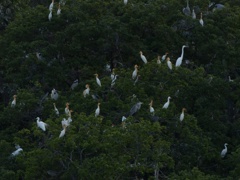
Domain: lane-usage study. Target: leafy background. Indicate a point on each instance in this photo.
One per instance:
(79, 43)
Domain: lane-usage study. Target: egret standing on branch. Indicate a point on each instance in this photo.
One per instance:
(51, 5)
(97, 111)
(55, 109)
(201, 20)
(67, 111)
(144, 59)
(182, 114)
(14, 102)
(165, 106)
(179, 60)
(164, 56)
(151, 108)
(59, 10)
(169, 63)
(224, 151)
(97, 80)
(54, 94)
(17, 151)
(42, 125)
(86, 91)
(134, 74)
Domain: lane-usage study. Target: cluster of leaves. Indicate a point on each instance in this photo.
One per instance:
(79, 43)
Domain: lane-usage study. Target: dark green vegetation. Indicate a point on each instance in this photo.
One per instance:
(79, 43)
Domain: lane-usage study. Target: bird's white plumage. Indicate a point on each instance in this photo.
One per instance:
(224, 151)
(62, 133)
(125, 2)
(50, 16)
(42, 125)
(201, 20)
(134, 74)
(51, 5)
(55, 109)
(17, 151)
(54, 94)
(14, 102)
(169, 63)
(59, 9)
(98, 80)
(97, 111)
(144, 59)
(165, 106)
(164, 56)
(86, 91)
(182, 115)
(193, 14)
(179, 60)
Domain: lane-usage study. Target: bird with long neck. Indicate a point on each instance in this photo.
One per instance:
(169, 63)
(51, 5)
(59, 9)
(201, 20)
(144, 59)
(86, 91)
(14, 102)
(97, 112)
(97, 80)
(164, 56)
(165, 106)
(182, 114)
(179, 60)
(151, 108)
(67, 111)
(224, 151)
(134, 74)
(55, 109)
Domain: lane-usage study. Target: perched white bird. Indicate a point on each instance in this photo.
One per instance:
(165, 106)
(66, 122)
(50, 16)
(67, 111)
(54, 94)
(59, 10)
(17, 151)
(164, 56)
(151, 108)
(86, 91)
(62, 132)
(125, 2)
(224, 151)
(97, 80)
(55, 109)
(179, 60)
(74, 84)
(51, 5)
(114, 80)
(42, 125)
(144, 59)
(169, 63)
(134, 74)
(14, 102)
(123, 118)
(201, 20)
(182, 114)
(97, 111)
(158, 60)
(193, 14)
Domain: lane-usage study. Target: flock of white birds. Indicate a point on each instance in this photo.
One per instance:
(66, 122)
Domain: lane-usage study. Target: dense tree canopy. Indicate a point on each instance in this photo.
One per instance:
(126, 140)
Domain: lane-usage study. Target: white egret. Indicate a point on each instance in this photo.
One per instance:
(17, 151)
(74, 84)
(134, 74)
(97, 80)
(86, 91)
(66, 122)
(59, 10)
(201, 20)
(179, 60)
(158, 60)
(97, 111)
(54, 94)
(51, 5)
(182, 114)
(144, 59)
(187, 10)
(62, 132)
(165, 106)
(151, 108)
(164, 56)
(224, 151)
(50, 16)
(125, 2)
(14, 102)
(67, 111)
(42, 125)
(55, 109)
(169, 63)
(123, 118)
(113, 80)
(193, 14)
(123, 121)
